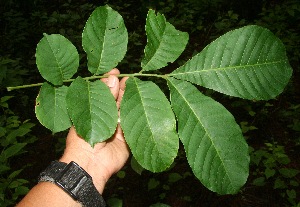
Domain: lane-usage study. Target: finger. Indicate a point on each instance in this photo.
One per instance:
(112, 81)
(114, 71)
(122, 86)
(113, 84)
(119, 134)
(123, 83)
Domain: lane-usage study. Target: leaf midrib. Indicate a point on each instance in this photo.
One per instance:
(104, 39)
(160, 41)
(139, 92)
(239, 67)
(57, 62)
(204, 130)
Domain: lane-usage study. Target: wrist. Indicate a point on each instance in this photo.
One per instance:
(79, 151)
(74, 180)
(99, 177)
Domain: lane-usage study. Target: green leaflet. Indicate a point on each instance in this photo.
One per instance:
(56, 58)
(149, 125)
(51, 108)
(92, 109)
(214, 144)
(249, 62)
(104, 39)
(23, 129)
(11, 151)
(164, 42)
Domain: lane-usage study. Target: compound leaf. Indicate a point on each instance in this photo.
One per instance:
(214, 145)
(51, 108)
(249, 62)
(149, 125)
(164, 42)
(57, 58)
(104, 39)
(92, 109)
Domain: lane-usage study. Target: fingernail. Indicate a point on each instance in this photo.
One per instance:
(111, 81)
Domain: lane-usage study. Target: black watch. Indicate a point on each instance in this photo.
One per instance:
(75, 181)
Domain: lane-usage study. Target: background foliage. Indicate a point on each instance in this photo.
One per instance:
(272, 128)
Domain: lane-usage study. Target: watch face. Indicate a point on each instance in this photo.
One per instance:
(72, 179)
(75, 181)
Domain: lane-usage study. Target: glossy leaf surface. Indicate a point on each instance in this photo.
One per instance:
(164, 42)
(51, 108)
(104, 40)
(56, 58)
(214, 145)
(249, 62)
(92, 109)
(149, 125)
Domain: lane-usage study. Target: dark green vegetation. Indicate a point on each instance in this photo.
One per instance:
(271, 128)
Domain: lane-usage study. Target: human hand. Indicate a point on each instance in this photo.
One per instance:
(106, 158)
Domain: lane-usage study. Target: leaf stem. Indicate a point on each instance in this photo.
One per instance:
(88, 78)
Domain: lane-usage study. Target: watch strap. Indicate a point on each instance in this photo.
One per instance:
(75, 181)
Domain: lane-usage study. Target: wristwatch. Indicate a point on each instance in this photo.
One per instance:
(75, 181)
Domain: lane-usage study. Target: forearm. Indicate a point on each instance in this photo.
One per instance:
(48, 194)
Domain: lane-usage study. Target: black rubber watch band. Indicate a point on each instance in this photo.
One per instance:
(75, 181)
